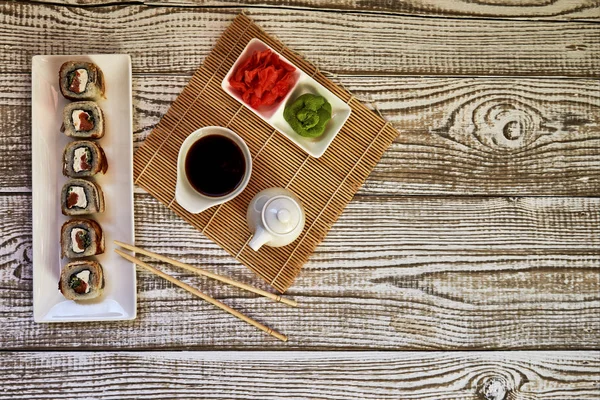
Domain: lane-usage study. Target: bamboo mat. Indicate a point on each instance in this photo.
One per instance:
(325, 185)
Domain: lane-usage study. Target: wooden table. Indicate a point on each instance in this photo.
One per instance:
(467, 267)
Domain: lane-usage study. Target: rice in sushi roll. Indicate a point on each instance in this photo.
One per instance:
(80, 197)
(81, 81)
(81, 238)
(84, 158)
(83, 119)
(81, 280)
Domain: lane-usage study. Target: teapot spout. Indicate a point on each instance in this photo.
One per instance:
(259, 238)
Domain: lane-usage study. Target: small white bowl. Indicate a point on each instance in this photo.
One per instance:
(273, 115)
(192, 200)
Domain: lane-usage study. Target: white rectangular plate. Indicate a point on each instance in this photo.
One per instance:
(273, 115)
(118, 301)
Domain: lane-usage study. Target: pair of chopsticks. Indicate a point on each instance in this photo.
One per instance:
(198, 293)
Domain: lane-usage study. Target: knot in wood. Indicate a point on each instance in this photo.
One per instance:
(513, 130)
(502, 123)
(506, 123)
(494, 388)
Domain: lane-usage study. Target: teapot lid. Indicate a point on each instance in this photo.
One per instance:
(281, 215)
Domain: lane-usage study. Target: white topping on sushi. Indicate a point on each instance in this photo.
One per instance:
(78, 159)
(80, 81)
(80, 200)
(74, 243)
(85, 276)
(76, 118)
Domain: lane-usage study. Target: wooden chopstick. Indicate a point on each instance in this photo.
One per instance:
(203, 296)
(200, 271)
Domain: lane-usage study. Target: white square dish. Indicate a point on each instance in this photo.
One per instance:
(273, 115)
(119, 299)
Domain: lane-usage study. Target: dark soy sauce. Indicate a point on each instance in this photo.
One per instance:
(215, 165)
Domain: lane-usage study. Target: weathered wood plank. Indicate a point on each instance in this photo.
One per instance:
(536, 9)
(485, 136)
(301, 375)
(163, 39)
(488, 136)
(394, 273)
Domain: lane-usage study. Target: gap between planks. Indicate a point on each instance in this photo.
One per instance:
(140, 191)
(361, 75)
(339, 10)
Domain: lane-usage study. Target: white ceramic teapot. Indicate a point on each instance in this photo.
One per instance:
(276, 218)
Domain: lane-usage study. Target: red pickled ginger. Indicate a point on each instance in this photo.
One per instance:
(262, 79)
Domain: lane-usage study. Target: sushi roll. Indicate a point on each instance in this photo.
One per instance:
(81, 280)
(83, 158)
(81, 238)
(80, 197)
(83, 119)
(81, 81)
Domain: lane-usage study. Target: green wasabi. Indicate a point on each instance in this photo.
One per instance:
(308, 115)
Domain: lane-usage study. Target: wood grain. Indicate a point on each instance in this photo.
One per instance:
(163, 39)
(394, 273)
(532, 9)
(297, 375)
(416, 272)
(488, 136)
(457, 136)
